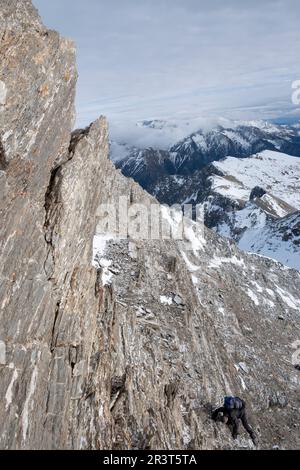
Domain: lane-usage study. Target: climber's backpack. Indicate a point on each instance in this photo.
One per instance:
(233, 403)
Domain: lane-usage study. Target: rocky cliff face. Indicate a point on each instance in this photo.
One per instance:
(140, 361)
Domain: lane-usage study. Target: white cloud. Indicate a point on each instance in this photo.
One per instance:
(181, 59)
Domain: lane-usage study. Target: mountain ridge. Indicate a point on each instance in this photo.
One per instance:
(133, 354)
(224, 183)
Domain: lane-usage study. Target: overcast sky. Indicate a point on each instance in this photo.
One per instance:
(180, 59)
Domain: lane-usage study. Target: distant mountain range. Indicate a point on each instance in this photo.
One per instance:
(252, 196)
(194, 152)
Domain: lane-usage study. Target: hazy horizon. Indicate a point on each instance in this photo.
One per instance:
(181, 60)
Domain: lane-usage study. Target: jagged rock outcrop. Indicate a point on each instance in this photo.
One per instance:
(38, 73)
(138, 362)
(232, 332)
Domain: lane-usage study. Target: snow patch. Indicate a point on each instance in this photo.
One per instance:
(99, 246)
(273, 171)
(217, 262)
(3, 93)
(288, 298)
(174, 218)
(99, 260)
(257, 286)
(166, 300)
(270, 292)
(191, 267)
(107, 275)
(274, 205)
(2, 353)
(222, 311)
(269, 302)
(243, 383)
(278, 240)
(9, 395)
(26, 409)
(253, 296)
(194, 234)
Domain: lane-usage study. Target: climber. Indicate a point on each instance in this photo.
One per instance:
(234, 410)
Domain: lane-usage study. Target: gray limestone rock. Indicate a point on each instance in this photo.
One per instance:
(79, 368)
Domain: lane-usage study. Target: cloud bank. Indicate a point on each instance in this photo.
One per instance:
(181, 59)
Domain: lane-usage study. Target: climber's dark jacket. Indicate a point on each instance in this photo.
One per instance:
(234, 416)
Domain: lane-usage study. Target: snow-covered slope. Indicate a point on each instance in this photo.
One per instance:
(279, 240)
(276, 172)
(256, 201)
